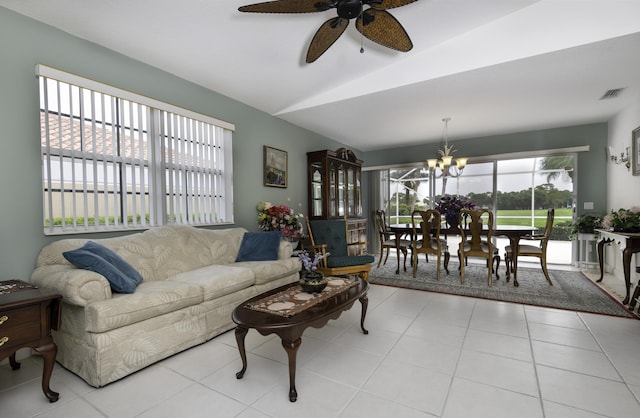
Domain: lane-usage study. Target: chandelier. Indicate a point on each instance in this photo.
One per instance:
(444, 163)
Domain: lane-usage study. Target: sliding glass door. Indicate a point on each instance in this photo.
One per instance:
(518, 191)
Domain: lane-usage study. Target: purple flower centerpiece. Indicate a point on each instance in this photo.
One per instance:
(450, 207)
(311, 280)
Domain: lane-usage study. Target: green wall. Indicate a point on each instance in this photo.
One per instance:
(25, 43)
(592, 165)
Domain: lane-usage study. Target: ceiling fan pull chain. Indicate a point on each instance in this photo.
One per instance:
(361, 35)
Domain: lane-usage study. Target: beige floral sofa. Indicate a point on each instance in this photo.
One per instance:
(191, 284)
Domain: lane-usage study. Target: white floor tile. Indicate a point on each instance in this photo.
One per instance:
(427, 355)
(411, 386)
(498, 344)
(593, 394)
(371, 406)
(330, 363)
(502, 372)
(554, 410)
(137, 392)
(579, 338)
(477, 400)
(195, 401)
(592, 363)
(318, 397)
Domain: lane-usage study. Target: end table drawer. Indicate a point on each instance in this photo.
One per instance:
(19, 325)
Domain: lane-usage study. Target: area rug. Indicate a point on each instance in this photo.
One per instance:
(571, 290)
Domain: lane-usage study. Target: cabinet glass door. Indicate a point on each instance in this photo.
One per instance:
(350, 203)
(356, 193)
(316, 189)
(332, 190)
(341, 190)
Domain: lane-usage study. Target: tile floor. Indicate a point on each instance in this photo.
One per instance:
(427, 355)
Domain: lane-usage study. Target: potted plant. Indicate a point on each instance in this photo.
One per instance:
(311, 280)
(585, 224)
(623, 220)
(450, 207)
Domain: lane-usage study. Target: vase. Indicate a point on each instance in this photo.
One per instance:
(312, 281)
(294, 243)
(452, 219)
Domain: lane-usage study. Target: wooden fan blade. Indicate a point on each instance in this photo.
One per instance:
(384, 29)
(289, 6)
(389, 4)
(328, 33)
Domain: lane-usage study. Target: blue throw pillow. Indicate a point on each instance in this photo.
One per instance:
(259, 246)
(113, 258)
(120, 281)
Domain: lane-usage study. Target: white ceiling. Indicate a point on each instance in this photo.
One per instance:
(493, 66)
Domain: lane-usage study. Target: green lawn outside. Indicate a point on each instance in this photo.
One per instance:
(518, 217)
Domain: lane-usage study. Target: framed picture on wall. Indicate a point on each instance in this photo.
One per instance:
(275, 167)
(635, 147)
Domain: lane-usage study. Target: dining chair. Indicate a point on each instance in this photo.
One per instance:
(496, 259)
(530, 250)
(390, 239)
(426, 239)
(476, 241)
(329, 236)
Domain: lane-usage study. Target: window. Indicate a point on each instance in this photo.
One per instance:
(518, 191)
(114, 160)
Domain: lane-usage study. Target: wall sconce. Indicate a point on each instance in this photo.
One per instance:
(622, 159)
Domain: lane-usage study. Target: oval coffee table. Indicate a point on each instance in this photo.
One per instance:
(290, 329)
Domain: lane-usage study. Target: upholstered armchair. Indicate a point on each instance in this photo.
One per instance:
(330, 238)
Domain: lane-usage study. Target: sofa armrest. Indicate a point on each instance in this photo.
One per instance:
(285, 250)
(77, 286)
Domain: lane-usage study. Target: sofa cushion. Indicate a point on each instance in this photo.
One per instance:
(119, 281)
(150, 300)
(217, 280)
(259, 246)
(267, 271)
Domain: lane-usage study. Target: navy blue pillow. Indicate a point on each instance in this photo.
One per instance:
(113, 258)
(259, 246)
(88, 258)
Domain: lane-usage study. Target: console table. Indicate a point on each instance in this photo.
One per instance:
(27, 315)
(629, 244)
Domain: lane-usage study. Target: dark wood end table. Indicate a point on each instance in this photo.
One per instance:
(290, 329)
(27, 316)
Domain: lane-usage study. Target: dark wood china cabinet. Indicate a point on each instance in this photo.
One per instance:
(335, 189)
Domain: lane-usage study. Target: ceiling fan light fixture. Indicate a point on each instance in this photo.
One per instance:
(375, 23)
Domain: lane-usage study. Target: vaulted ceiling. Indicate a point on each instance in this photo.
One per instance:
(493, 66)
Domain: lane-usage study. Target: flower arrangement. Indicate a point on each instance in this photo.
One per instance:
(280, 218)
(623, 220)
(311, 280)
(450, 207)
(308, 263)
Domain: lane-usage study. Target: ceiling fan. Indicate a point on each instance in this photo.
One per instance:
(373, 22)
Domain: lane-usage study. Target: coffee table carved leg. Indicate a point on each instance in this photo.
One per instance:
(364, 301)
(48, 352)
(240, 334)
(292, 351)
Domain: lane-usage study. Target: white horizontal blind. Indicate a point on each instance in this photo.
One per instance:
(111, 163)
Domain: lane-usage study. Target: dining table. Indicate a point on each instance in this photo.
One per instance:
(513, 232)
